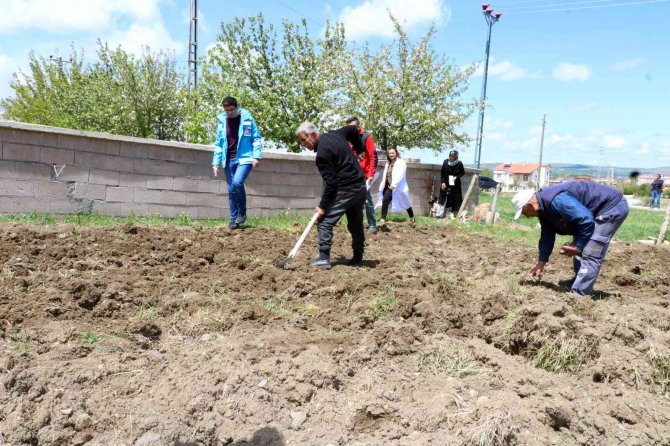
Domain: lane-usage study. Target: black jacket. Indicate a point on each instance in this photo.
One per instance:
(337, 163)
(457, 171)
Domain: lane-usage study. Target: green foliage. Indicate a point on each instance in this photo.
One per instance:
(121, 93)
(283, 80)
(407, 95)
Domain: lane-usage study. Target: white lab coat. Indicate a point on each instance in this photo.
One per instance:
(401, 190)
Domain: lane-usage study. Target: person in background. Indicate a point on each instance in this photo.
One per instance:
(589, 211)
(394, 188)
(451, 194)
(368, 162)
(656, 191)
(238, 149)
(343, 187)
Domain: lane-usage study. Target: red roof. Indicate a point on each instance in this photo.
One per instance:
(518, 168)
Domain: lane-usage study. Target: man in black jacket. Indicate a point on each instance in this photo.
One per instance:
(344, 189)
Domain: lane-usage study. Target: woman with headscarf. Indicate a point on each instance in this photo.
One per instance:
(393, 187)
(451, 195)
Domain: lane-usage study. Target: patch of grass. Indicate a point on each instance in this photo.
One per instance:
(145, 314)
(447, 285)
(91, 338)
(585, 310)
(502, 339)
(566, 436)
(562, 355)
(277, 306)
(7, 273)
(216, 292)
(660, 373)
(21, 346)
(494, 429)
(513, 285)
(33, 217)
(638, 380)
(309, 310)
(454, 363)
(382, 305)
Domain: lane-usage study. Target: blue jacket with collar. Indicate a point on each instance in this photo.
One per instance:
(249, 140)
(570, 209)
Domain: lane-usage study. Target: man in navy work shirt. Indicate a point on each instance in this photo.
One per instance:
(589, 211)
(344, 190)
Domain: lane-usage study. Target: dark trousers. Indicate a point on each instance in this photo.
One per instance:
(451, 198)
(386, 200)
(348, 202)
(588, 266)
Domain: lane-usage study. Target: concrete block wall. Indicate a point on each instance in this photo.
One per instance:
(62, 171)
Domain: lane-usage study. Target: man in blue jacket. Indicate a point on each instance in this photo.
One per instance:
(589, 211)
(238, 150)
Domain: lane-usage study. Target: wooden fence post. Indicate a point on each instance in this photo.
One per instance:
(664, 226)
(490, 219)
(475, 179)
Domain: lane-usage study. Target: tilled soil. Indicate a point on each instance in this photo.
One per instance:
(186, 336)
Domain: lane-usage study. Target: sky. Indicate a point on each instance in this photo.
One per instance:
(597, 68)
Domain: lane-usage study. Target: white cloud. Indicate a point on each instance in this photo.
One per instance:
(137, 35)
(7, 68)
(506, 71)
(66, 16)
(628, 64)
(568, 72)
(371, 17)
(130, 23)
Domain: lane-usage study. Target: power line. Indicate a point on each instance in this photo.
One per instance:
(290, 8)
(593, 7)
(576, 7)
(555, 4)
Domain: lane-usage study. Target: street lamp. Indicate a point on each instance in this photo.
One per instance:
(59, 60)
(491, 18)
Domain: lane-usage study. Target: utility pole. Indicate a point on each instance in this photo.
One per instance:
(539, 175)
(193, 47)
(491, 19)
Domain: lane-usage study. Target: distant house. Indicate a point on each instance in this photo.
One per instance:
(648, 179)
(522, 175)
(582, 178)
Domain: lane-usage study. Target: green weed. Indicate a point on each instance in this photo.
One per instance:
(91, 338)
(660, 373)
(455, 363)
(277, 306)
(562, 355)
(309, 310)
(7, 273)
(145, 314)
(382, 305)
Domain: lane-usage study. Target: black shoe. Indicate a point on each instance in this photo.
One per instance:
(354, 261)
(567, 283)
(323, 264)
(233, 225)
(241, 218)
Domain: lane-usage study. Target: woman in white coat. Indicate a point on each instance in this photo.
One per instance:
(393, 187)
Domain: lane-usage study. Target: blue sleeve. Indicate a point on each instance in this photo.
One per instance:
(218, 146)
(577, 215)
(546, 244)
(256, 140)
